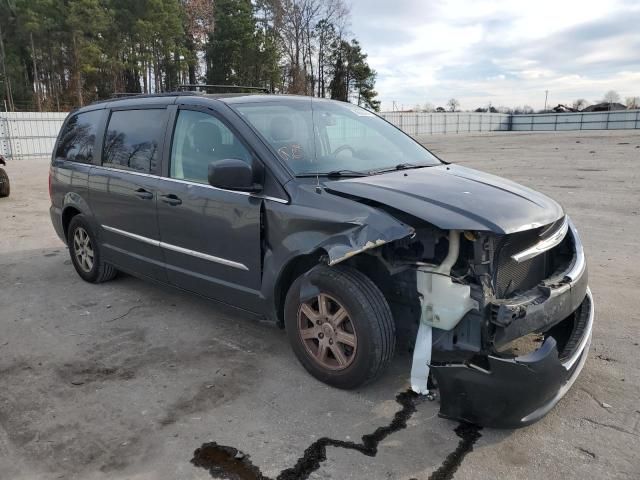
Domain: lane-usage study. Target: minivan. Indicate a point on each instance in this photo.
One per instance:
(340, 228)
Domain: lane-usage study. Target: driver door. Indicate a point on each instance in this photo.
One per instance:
(210, 237)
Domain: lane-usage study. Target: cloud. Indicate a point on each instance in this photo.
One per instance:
(500, 52)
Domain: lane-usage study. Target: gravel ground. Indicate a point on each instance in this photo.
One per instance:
(127, 379)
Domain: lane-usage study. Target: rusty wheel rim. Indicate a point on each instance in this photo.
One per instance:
(327, 332)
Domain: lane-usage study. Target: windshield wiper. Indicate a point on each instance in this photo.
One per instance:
(346, 173)
(400, 166)
(334, 174)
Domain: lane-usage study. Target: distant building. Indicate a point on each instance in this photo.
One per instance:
(604, 107)
(563, 109)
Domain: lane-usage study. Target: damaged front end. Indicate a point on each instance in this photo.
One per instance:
(504, 320)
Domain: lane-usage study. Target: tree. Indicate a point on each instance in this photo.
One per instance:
(632, 102)
(198, 25)
(580, 104)
(352, 75)
(611, 97)
(57, 54)
(230, 52)
(453, 104)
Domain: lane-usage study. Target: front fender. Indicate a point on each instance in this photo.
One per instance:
(334, 228)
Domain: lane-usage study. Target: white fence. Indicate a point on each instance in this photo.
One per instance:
(615, 120)
(28, 134)
(418, 123)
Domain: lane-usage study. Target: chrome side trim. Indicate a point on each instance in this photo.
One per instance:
(140, 238)
(175, 248)
(122, 170)
(586, 338)
(545, 244)
(187, 182)
(204, 256)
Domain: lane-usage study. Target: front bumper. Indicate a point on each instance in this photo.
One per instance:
(513, 391)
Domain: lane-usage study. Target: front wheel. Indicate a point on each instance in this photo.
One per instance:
(343, 334)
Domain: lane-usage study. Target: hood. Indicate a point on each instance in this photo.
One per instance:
(455, 197)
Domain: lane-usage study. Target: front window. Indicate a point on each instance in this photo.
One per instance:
(319, 136)
(199, 139)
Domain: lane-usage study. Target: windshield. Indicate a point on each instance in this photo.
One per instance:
(321, 137)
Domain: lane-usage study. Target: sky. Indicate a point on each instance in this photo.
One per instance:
(503, 52)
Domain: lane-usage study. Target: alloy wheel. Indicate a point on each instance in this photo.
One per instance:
(327, 332)
(83, 249)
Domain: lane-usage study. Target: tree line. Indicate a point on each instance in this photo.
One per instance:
(56, 54)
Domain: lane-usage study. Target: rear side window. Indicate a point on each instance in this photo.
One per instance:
(78, 137)
(133, 140)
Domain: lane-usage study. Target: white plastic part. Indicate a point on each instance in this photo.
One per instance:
(421, 360)
(443, 305)
(443, 302)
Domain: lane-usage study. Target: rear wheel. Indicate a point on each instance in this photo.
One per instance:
(85, 252)
(344, 335)
(5, 188)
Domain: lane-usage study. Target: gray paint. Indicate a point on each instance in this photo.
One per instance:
(454, 197)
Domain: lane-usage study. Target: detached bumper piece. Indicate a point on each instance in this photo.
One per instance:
(514, 392)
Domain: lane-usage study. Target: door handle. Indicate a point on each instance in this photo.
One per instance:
(143, 194)
(171, 199)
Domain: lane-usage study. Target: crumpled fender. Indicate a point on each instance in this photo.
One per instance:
(305, 228)
(361, 237)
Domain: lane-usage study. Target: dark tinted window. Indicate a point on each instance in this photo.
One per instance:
(133, 139)
(198, 140)
(78, 137)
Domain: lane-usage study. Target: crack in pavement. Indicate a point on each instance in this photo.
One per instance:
(223, 461)
(608, 425)
(124, 314)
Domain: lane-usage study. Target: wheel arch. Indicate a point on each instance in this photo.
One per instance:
(370, 265)
(292, 270)
(73, 204)
(67, 214)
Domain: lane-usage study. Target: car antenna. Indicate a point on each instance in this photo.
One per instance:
(315, 148)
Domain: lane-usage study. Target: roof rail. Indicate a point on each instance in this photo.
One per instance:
(146, 95)
(197, 86)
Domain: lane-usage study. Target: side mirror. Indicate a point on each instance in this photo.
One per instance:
(235, 174)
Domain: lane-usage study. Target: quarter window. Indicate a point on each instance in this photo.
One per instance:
(78, 137)
(133, 140)
(198, 140)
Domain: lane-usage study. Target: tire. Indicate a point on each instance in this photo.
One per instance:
(90, 268)
(368, 318)
(5, 187)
